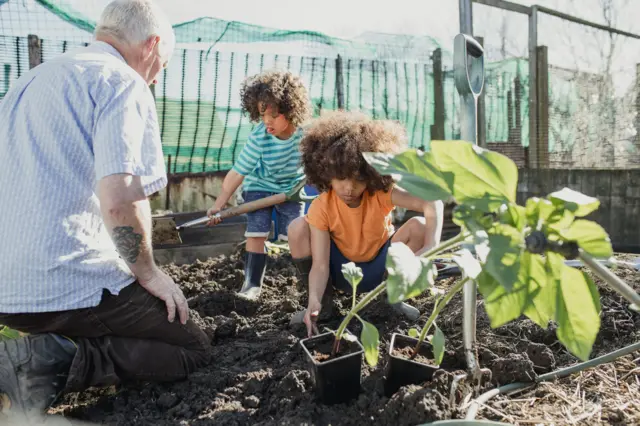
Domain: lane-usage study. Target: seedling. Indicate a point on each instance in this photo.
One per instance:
(369, 336)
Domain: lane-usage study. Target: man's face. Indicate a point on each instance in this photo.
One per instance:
(154, 57)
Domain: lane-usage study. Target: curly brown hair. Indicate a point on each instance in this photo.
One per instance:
(279, 89)
(332, 148)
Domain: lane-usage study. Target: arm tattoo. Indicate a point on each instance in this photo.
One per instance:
(127, 242)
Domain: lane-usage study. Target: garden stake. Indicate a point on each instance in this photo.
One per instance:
(468, 65)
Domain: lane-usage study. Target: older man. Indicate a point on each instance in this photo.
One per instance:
(80, 153)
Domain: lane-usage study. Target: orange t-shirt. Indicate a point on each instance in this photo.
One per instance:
(360, 232)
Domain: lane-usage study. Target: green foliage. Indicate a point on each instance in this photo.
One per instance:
(437, 342)
(370, 341)
(408, 275)
(7, 333)
(513, 278)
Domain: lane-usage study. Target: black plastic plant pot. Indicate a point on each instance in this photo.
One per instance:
(401, 370)
(337, 380)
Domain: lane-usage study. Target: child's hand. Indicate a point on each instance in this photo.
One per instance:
(311, 316)
(213, 220)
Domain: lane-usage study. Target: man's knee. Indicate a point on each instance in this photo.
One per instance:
(199, 349)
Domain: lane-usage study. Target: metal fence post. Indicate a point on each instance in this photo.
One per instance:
(437, 128)
(339, 82)
(533, 88)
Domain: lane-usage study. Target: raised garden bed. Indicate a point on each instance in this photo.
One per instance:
(260, 374)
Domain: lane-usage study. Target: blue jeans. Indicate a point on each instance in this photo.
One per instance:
(373, 271)
(259, 221)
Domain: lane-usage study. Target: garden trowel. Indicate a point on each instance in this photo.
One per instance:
(166, 230)
(468, 71)
(297, 193)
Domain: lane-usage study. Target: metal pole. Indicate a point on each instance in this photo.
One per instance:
(469, 130)
(466, 17)
(533, 89)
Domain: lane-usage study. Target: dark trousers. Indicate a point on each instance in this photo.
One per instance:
(125, 337)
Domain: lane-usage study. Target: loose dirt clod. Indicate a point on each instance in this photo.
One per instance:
(258, 373)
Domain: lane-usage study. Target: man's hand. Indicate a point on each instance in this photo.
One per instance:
(162, 286)
(311, 316)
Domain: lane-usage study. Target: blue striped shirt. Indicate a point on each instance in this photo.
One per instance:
(63, 126)
(268, 163)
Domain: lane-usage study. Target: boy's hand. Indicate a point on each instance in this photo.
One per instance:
(311, 316)
(213, 221)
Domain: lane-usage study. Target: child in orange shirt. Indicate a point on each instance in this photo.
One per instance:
(351, 221)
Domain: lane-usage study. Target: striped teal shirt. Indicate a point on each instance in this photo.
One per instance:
(268, 163)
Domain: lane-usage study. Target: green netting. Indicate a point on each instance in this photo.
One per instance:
(383, 75)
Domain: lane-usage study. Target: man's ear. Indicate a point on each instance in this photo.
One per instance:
(150, 45)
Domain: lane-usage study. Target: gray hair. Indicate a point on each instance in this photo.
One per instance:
(134, 21)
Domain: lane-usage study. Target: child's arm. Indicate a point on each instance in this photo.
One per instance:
(433, 212)
(319, 274)
(245, 164)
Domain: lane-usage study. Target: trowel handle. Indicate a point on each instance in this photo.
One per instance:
(252, 206)
(241, 209)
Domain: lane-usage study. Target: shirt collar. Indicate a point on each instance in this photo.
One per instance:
(107, 48)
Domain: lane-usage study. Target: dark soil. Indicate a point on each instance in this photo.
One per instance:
(407, 352)
(259, 374)
(321, 349)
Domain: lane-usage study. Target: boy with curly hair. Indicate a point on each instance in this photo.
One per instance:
(350, 221)
(269, 163)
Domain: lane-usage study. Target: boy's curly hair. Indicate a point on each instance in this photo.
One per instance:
(332, 148)
(280, 89)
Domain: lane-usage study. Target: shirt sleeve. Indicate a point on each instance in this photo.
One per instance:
(126, 135)
(317, 214)
(249, 156)
(384, 198)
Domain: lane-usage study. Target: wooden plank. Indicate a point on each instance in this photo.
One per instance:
(189, 254)
(506, 5)
(35, 51)
(617, 208)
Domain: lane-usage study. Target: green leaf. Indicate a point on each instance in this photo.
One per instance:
(471, 218)
(541, 305)
(501, 305)
(352, 273)
(590, 236)
(370, 341)
(415, 172)
(408, 275)
(576, 202)
(540, 213)
(480, 176)
(576, 313)
(437, 341)
(513, 215)
(7, 333)
(503, 259)
(414, 333)
(468, 263)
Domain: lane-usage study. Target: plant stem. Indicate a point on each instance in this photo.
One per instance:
(361, 304)
(446, 245)
(436, 310)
